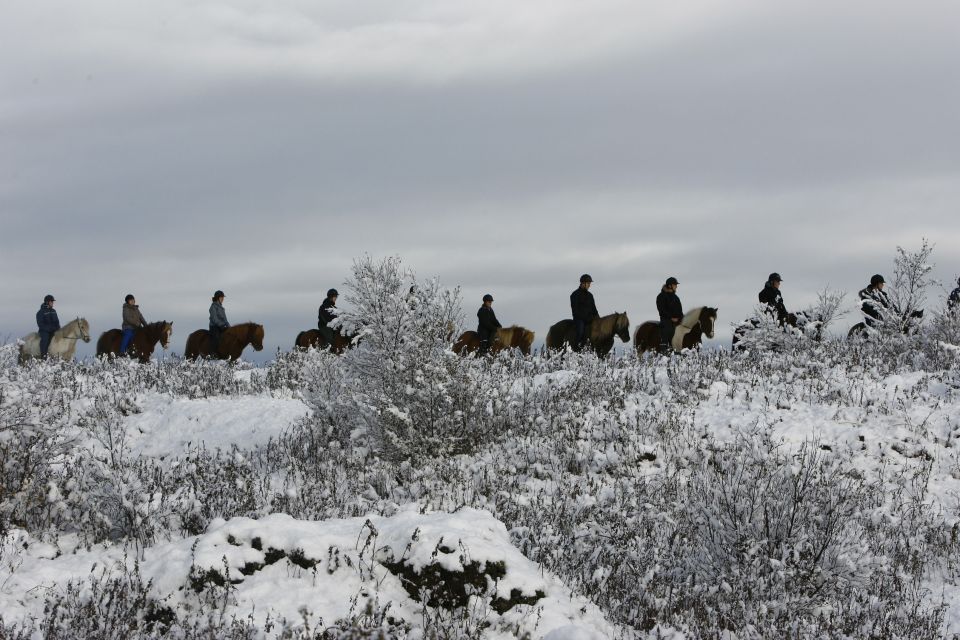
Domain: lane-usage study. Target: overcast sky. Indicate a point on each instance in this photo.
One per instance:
(172, 148)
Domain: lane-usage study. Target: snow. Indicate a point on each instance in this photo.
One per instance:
(170, 426)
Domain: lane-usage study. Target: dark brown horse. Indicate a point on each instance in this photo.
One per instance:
(697, 323)
(313, 338)
(507, 338)
(144, 341)
(600, 335)
(232, 342)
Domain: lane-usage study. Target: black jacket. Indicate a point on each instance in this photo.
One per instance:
(772, 298)
(328, 311)
(875, 302)
(582, 305)
(47, 319)
(488, 322)
(669, 306)
(954, 300)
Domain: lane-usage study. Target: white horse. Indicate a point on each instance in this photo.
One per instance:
(63, 344)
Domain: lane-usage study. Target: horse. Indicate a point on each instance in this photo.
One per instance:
(808, 322)
(144, 341)
(63, 345)
(314, 338)
(507, 338)
(233, 341)
(908, 326)
(600, 334)
(689, 333)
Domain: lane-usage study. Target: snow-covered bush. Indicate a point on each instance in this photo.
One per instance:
(414, 395)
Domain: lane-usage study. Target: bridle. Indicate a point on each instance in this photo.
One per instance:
(83, 336)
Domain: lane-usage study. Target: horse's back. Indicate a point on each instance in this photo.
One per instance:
(647, 336)
(105, 343)
(466, 343)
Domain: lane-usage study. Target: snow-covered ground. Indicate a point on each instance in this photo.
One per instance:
(598, 492)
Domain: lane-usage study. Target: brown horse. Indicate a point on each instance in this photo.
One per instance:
(232, 342)
(507, 338)
(313, 338)
(144, 341)
(697, 323)
(600, 334)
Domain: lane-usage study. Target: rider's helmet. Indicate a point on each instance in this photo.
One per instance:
(585, 278)
(488, 298)
(774, 277)
(876, 279)
(49, 298)
(671, 280)
(332, 292)
(219, 294)
(128, 298)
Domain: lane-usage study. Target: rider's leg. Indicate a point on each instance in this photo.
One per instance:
(45, 338)
(125, 340)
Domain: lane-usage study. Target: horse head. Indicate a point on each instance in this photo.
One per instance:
(165, 331)
(84, 328)
(622, 326)
(256, 336)
(708, 321)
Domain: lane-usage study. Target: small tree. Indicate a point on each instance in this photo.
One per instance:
(415, 396)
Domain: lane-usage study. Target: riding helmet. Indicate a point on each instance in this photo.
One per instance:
(488, 298)
(586, 278)
(219, 294)
(774, 277)
(876, 279)
(49, 298)
(332, 292)
(671, 280)
(129, 297)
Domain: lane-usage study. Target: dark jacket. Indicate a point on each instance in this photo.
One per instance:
(771, 297)
(582, 305)
(218, 317)
(668, 305)
(488, 324)
(132, 318)
(954, 300)
(874, 302)
(328, 311)
(47, 319)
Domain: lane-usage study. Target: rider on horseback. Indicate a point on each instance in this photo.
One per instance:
(328, 311)
(218, 322)
(584, 310)
(773, 299)
(953, 302)
(132, 320)
(48, 323)
(488, 325)
(874, 301)
(671, 312)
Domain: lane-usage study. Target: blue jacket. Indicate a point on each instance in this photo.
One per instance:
(47, 319)
(218, 317)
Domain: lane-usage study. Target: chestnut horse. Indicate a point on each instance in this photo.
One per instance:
(507, 338)
(694, 325)
(233, 341)
(144, 341)
(600, 334)
(313, 338)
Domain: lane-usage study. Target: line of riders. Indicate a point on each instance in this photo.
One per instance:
(875, 304)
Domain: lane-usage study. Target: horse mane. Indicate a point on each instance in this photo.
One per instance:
(691, 318)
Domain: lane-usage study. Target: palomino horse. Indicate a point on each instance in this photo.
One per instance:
(64, 342)
(144, 341)
(600, 334)
(695, 324)
(507, 338)
(908, 326)
(313, 338)
(233, 341)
